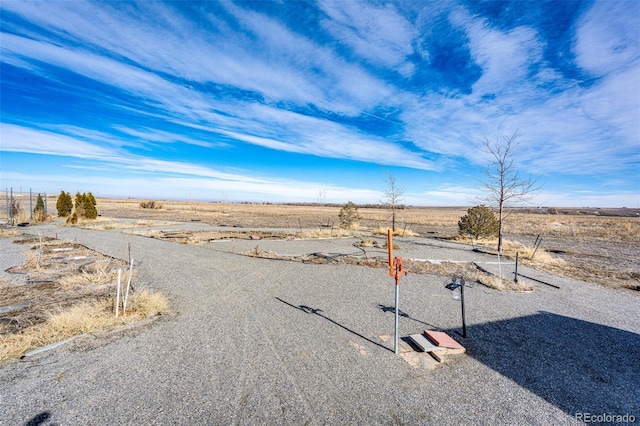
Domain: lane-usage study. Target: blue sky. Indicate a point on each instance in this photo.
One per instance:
(296, 101)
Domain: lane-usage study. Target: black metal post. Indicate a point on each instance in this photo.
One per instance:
(536, 245)
(515, 278)
(464, 322)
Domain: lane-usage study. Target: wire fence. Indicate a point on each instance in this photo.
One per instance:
(20, 206)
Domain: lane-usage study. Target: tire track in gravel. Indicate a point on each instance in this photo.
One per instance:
(230, 296)
(250, 292)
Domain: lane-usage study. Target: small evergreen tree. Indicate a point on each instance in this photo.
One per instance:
(38, 212)
(479, 221)
(349, 215)
(89, 204)
(64, 204)
(79, 205)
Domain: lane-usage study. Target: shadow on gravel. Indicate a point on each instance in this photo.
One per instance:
(403, 314)
(313, 311)
(41, 419)
(576, 365)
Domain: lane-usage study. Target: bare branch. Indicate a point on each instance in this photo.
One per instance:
(392, 196)
(503, 184)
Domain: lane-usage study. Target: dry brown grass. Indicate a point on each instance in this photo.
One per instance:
(61, 290)
(96, 273)
(571, 226)
(86, 317)
(105, 224)
(323, 233)
(8, 232)
(404, 232)
(527, 254)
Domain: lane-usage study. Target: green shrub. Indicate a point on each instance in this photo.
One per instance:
(88, 203)
(479, 221)
(85, 206)
(38, 213)
(64, 204)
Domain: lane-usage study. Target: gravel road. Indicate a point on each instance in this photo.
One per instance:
(258, 341)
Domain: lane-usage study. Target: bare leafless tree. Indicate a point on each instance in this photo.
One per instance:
(503, 183)
(392, 197)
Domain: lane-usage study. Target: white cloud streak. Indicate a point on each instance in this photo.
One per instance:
(300, 91)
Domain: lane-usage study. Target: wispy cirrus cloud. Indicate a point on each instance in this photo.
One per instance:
(408, 85)
(29, 140)
(607, 38)
(380, 35)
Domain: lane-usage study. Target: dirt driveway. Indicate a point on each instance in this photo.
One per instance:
(258, 341)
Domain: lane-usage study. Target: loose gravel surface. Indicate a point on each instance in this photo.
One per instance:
(260, 341)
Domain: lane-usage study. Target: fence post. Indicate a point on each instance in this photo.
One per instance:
(30, 206)
(46, 211)
(11, 207)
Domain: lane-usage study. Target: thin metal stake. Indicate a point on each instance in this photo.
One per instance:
(515, 278)
(11, 207)
(395, 346)
(538, 242)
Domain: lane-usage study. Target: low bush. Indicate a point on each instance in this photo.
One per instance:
(478, 222)
(150, 205)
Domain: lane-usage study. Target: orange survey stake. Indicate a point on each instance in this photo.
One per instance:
(396, 266)
(399, 266)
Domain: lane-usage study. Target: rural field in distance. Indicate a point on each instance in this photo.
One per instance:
(596, 245)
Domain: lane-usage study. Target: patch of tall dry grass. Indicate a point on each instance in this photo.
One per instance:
(323, 233)
(97, 273)
(82, 318)
(570, 226)
(7, 233)
(404, 232)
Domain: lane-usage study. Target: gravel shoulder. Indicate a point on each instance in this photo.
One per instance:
(273, 342)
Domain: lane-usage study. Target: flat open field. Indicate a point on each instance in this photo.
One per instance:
(261, 340)
(594, 245)
(255, 340)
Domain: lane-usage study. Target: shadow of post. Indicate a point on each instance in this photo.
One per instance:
(313, 311)
(40, 419)
(403, 314)
(576, 365)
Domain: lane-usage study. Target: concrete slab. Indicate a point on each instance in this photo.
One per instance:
(425, 344)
